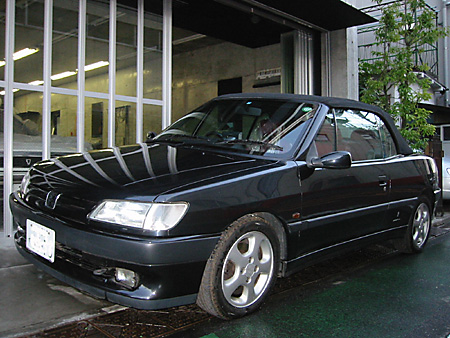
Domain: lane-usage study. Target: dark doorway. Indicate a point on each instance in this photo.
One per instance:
(97, 119)
(55, 120)
(229, 86)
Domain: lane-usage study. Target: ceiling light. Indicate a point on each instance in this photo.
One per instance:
(36, 83)
(14, 90)
(24, 53)
(21, 54)
(96, 65)
(65, 74)
(188, 39)
(62, 75)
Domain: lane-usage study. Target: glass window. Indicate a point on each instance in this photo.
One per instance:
(446, 133)
(64, 64)
(254, 126)
(125, 123)
(364, 135)
(29, 37)
(152, 119)
(65, 46)
(126, 49)
(389, 147)
(325, 141)
(438, 132)
(97, 47)
(27, 125)
(96, 122)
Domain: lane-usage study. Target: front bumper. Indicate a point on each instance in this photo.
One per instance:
(169, 269)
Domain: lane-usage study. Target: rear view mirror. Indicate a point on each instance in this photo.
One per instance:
(150, 135)
(334, 160)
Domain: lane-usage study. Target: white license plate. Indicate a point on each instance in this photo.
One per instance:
(41, 240)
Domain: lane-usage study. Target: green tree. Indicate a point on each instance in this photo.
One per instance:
(391, 81)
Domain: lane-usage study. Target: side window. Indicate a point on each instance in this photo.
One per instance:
(388, 142)
(187, 125)
(446, 133)
(364, 135)
(325, 141)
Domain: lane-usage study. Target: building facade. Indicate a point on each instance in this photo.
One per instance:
(82, 74)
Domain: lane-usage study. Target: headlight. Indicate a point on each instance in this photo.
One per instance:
(25, 184)
(147, 216)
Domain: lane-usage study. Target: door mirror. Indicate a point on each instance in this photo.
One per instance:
(334, 160)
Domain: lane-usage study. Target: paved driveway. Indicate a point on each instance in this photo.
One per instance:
(401, 296)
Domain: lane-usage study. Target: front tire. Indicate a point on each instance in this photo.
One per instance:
(241, 270)
(418, 230)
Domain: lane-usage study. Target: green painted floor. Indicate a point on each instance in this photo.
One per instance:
(403, 296)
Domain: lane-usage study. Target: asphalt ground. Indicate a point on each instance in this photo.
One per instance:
(374, 292)
(399, 295)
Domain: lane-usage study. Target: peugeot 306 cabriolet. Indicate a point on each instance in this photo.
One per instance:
(244, 189)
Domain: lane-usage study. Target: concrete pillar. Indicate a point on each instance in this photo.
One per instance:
(343, 63)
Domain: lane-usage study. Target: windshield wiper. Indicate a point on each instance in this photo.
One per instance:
(178, 138)
(252, 142)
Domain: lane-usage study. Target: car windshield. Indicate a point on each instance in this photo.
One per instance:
(260, 127)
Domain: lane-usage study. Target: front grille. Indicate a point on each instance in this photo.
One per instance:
(23, 161)
(67, 207)
(99, 269)
(78, 258)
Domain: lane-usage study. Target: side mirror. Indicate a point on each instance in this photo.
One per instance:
(334, 160)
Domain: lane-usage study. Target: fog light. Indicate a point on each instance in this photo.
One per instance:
(127, 278)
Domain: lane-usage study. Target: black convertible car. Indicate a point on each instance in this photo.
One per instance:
(244, 189)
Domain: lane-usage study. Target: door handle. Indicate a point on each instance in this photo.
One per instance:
(383, 182)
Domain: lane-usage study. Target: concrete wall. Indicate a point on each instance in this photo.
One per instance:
(196, 74)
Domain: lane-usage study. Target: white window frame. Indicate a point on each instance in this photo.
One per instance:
(8, 116)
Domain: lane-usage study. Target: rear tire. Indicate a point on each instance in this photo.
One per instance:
(418, 231)
(241, 270)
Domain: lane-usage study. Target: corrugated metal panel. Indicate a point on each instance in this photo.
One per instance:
(303, 58)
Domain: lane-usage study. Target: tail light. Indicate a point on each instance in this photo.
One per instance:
(433, 173)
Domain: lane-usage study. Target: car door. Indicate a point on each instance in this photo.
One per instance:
(341, 205)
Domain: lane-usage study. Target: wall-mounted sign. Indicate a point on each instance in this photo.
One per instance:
(267, 77)
(268, 73)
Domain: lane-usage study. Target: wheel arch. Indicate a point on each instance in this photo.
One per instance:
(408, 243)
(428, 198)
(280, 231)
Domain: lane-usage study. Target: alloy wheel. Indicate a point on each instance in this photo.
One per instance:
(421, 225)
(248, 269)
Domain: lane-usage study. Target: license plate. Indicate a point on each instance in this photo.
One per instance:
(41, 240)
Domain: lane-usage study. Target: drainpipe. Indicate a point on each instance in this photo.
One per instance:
(446, 51)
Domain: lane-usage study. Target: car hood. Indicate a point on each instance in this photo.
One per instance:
(140, 172)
